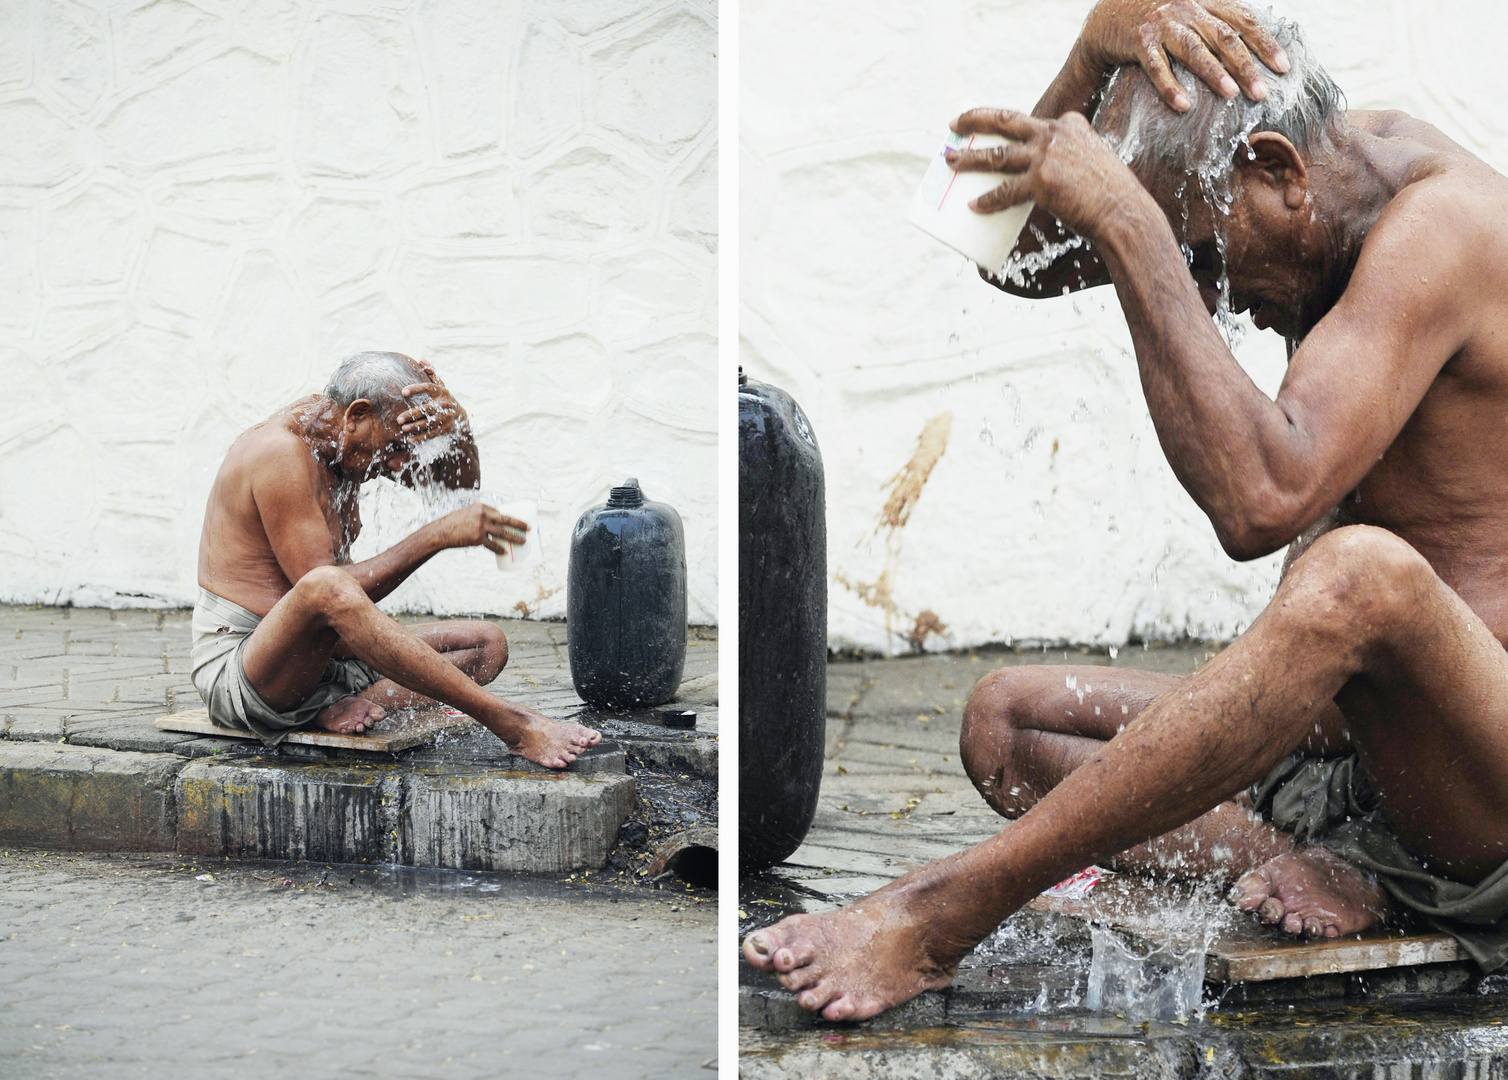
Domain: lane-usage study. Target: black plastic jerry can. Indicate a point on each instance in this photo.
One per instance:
(626, 602)
(782, 623)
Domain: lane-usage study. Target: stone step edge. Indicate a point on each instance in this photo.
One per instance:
(64, 797)
(472, 819)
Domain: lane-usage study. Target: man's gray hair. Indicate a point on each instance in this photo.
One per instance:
(377, 376)
(1301, 105)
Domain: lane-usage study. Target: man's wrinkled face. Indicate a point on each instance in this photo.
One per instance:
(1259, 253)
(397, 452)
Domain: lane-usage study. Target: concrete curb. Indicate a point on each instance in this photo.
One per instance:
(1452, 1037)
(54, 795)
(465, 819)
(455, 816)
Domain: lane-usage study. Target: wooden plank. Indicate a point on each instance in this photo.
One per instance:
(389, 735)
(1246, 962)
(1252, 952)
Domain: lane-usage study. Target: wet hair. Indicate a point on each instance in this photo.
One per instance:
(377, 376)
(1302, 105)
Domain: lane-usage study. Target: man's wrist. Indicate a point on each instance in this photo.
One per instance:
(1075, 88)
(1134, 221)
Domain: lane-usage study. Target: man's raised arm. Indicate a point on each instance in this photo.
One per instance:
(1262, 470)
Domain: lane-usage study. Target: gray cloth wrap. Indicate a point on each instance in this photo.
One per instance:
(221, 630)
(1330, 802)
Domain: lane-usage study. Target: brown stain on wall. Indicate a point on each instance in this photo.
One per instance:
(906, 485)
(524, 608)
(905, 489)
(926, 623)
(876, 595)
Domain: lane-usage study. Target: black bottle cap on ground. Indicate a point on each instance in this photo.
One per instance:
(678, 718)
(626, 495)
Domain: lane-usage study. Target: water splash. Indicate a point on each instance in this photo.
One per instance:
(1157, 973)
(1022, 269)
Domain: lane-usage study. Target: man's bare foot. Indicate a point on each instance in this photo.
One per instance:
(349, 716)
(551, 743)
(853, 963)
(1312, 892)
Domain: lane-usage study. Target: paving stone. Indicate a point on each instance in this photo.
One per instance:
(60, 796)
(111, 666)
(128, 733)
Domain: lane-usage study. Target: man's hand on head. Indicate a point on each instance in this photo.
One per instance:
(1218, 40)
(433, 414)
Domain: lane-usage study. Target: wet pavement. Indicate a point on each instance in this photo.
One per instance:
(894, 796)
(121, 966)
(132, 965)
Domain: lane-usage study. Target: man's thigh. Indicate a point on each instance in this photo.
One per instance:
(1028, 727)
(1429, 719)
(285, 657)
(450, 636)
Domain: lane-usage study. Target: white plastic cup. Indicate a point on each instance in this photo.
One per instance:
(527, 554)
(940, 207)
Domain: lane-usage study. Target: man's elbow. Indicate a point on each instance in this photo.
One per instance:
(1251, 532)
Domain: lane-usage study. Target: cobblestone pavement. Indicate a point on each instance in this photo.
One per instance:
(71, 672)
(122, 966)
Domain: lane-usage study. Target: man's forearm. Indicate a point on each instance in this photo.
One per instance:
(384, 572)
(1233, 449)
(1076, 88)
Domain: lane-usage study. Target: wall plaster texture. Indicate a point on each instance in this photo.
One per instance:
(1051, 515)
(205, 205)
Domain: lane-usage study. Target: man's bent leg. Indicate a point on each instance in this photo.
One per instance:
(1360, 611)
(480, 649)
(1026, 728)
(327, 607)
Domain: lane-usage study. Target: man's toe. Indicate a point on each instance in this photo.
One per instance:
(1271, 910)
(1251, 890)
(758, 948)
(816, 998)
(798, 979)
(839, 1008)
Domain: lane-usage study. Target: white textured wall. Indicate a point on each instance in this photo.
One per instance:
(1051, 514)
(204, 206)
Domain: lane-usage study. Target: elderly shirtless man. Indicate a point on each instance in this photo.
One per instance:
(287, 631)
(1368, 704)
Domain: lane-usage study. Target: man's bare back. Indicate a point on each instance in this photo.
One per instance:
(275, 568)
(266, 464)
(1379, 252)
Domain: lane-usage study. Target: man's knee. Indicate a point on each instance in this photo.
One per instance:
(1357, 577)
(493, 644)
(998, 707)
(328, 589)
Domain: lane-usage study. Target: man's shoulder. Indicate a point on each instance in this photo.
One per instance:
(1450, 218)
(270, 448)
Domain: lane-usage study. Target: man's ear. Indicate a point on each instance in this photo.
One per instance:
(359, 410)
(1277, 163)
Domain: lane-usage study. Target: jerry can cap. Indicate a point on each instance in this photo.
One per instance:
(626, 495)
